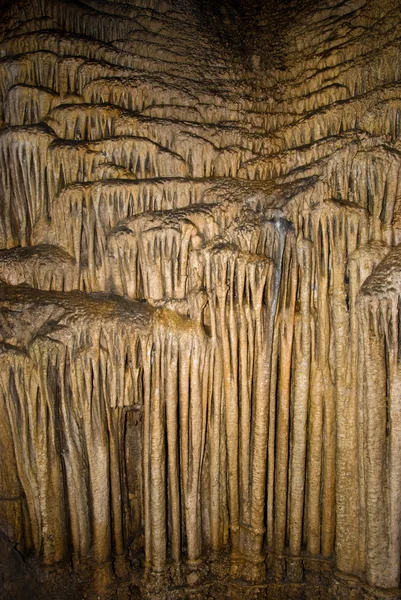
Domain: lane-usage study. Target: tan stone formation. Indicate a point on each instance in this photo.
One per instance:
(200, 292)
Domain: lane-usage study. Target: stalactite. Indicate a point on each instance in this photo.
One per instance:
(44, 267)
(302, 358)
(95, 467)
(361, 263)
(199, 295)
(285, 327)
(24, 195)
(27, 104)
(378, 339)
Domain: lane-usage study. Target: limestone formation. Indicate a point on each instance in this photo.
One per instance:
(200, 292)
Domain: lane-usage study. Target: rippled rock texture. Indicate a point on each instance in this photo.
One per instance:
(200, 267)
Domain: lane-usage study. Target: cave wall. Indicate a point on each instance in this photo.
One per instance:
(200, 286)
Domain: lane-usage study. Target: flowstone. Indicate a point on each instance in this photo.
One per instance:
(200, 265)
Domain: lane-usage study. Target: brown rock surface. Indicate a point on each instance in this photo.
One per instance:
(200, 283)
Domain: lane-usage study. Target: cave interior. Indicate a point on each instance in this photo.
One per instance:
(200, 299)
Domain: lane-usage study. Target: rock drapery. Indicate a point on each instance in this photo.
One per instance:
(200, 287)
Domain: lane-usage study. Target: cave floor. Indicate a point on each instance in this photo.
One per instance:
(22, 579)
